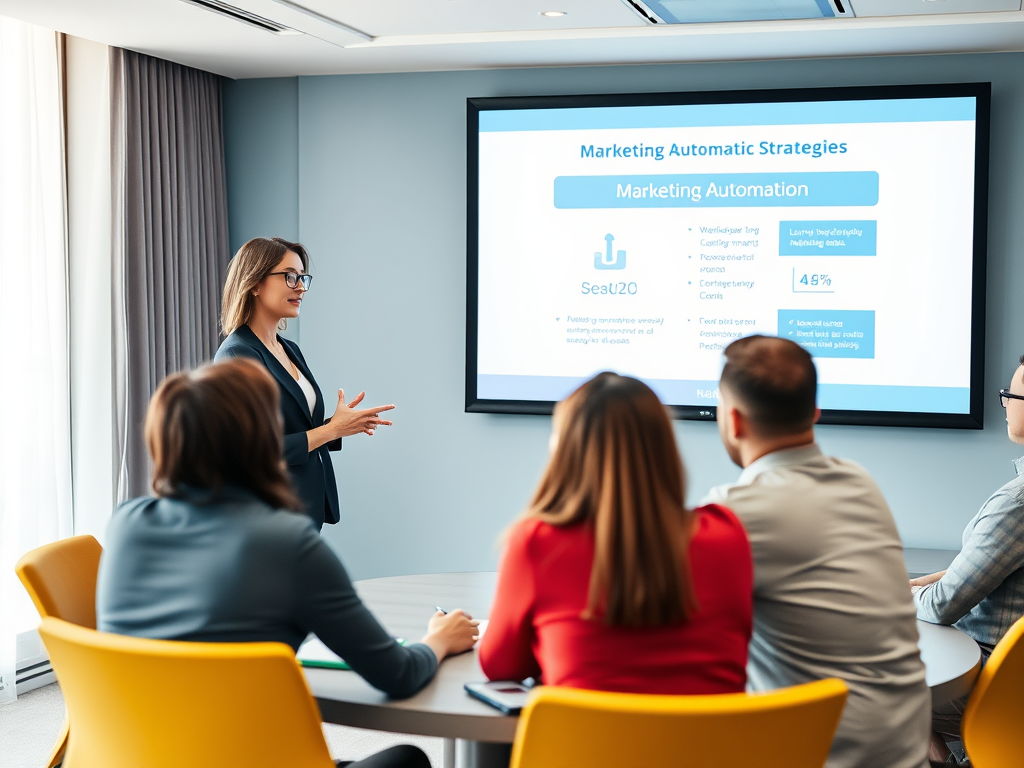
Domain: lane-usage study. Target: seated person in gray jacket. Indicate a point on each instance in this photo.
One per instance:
(830, 590)
(220, 555)
(982, 592)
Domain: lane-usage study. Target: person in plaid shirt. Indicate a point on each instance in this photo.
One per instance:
(982, 591)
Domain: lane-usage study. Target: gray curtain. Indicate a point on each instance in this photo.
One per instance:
(170, 238)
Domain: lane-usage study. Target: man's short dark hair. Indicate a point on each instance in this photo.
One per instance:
(774, 382)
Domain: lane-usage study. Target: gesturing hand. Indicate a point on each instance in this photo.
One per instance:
(349, 421)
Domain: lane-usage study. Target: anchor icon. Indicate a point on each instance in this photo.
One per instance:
(607, 260)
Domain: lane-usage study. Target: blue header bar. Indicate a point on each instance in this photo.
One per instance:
(704, 115)
(719, 190)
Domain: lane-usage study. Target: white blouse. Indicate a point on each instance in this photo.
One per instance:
(308, 391)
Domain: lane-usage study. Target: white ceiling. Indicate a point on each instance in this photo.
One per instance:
(427, 35)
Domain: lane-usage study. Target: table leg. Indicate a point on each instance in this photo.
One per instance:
(481, 754)
(448, 753)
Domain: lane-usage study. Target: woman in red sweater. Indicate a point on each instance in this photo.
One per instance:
(608, 582)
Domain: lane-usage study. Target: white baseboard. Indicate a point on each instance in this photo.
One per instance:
(34, 679)
(34, 669)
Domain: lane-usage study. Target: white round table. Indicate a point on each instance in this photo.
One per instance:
(478, 734)
(952, 661)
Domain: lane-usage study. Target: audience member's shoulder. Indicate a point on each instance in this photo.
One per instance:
(759, 499)
(850, 474)
(718, 494)
(286, 524)
(525, 530)
(718, 514)
(128, 513)
(288, 533)
(845, 465)
(534, 535)
(718, 521)
(134, 507)
(1007, 499)
(231, 510)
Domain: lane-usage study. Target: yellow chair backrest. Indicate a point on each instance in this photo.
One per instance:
(790, 728)
(61, 579)
(993, 723)
(165, 704)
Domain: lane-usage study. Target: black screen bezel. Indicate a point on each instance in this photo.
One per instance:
(980, 91)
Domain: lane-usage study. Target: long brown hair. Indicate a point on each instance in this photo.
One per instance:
(253, 262)
(216, 426)
(616, 468)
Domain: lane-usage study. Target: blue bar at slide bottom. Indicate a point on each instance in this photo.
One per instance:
(830, 332)
(828, 238)
(840, 397)
(874, 397)
(719, 190)
(491, 386)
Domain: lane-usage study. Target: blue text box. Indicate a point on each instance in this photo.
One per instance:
(828, 238)
(830, 332)
(718, 190)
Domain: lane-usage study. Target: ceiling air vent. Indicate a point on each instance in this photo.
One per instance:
(643, 11)
(239, 14)
(717, 11)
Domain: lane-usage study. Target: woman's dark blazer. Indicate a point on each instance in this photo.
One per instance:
(312, 473)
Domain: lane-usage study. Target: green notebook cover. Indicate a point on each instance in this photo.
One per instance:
(313, 653)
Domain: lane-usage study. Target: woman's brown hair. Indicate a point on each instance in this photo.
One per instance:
(616, 468)
(253, 262)
(219, 426)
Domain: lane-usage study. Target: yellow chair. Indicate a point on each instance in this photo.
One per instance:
(61, 580)
(568, 728)
(165, 704)
(992, 723)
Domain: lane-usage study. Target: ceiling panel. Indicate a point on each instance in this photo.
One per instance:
(930, 7)
(181, 32)
(436, 17)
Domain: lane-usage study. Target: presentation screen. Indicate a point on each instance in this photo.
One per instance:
(643, 233)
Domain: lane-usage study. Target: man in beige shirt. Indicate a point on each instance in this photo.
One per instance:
(830, 585)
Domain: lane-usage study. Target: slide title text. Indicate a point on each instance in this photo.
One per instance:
(737, 149)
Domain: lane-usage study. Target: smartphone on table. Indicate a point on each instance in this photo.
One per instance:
(507, 696)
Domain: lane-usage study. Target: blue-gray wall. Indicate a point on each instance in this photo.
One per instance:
(372, 169)
(261, 148)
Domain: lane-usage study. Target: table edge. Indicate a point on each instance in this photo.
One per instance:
(500, 730)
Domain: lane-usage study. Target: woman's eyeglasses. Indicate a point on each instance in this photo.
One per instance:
(292, 279)
(1005, 397)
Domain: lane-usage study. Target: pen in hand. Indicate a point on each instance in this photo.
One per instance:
(451, 633)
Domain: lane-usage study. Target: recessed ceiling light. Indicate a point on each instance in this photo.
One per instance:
(552, 14)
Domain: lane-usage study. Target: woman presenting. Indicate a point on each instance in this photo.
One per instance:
(266, 283)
